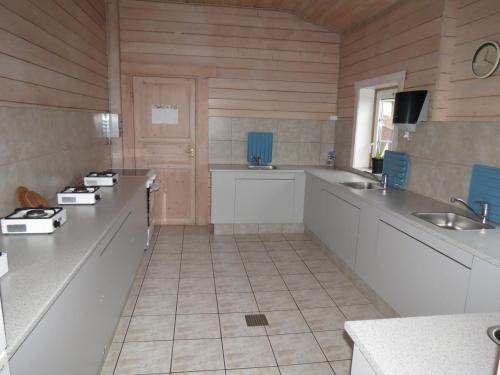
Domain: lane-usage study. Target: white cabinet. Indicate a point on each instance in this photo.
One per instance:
(360, 365)
(73, 335)
(264, 201)
(416, 279)
(339, 227)
(484, 293)
(249, 197)
(312, 204)
(366, 256)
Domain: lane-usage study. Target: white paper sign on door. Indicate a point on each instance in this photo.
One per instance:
(164, 114)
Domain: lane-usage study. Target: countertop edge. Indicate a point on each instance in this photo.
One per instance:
(362, 348)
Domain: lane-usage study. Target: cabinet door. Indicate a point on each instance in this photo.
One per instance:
(360, 365)
(341, 222)
(222, 208)
(484, 295)
(366, 254)
(264, 201)
(65, 341)
(416, 279)
(312, 205)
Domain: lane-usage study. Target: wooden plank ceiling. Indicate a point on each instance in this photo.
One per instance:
(335, 15)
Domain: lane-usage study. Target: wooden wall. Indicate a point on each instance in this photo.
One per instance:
(472, 99)
(53, 53)
(406, 37)
(267, 64)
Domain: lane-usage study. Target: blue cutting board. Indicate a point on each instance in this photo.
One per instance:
(396, 166)
(260, 144)
(485, 186)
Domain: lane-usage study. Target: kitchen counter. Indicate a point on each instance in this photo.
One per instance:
(402, 204)
(444, 345)
(40, 266)
(484, 244)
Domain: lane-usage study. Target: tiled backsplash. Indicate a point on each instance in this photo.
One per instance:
(46, 150)
(304, 142)
(441, 154)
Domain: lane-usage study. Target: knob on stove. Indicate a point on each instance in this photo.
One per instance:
(57, 223)
(97, 197)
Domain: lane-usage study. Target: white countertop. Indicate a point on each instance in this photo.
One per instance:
(435, 345)
(401, 204)
(40, 266)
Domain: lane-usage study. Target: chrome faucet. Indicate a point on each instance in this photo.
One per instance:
(383, 180)
(484, 210)
(258, 160)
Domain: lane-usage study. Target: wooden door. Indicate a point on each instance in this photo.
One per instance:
(164, 126)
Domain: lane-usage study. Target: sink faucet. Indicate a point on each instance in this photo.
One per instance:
(258, 160)
(383, 180)
(483, 212)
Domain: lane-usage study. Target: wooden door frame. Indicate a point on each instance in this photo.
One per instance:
(200, 74)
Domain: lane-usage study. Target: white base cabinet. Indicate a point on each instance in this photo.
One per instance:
(74, 334)
(484, 294)
(339, 228)
(414, 271)
(312, 205)
(416, 279)
(332, 219)
(250, 197)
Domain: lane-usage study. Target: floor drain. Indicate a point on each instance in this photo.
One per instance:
(256, 320)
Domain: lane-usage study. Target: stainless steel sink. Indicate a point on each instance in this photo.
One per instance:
(452, 221)
(494, 333)
(362, 185)
(262, 167)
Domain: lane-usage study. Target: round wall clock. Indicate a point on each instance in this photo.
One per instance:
(486, 59)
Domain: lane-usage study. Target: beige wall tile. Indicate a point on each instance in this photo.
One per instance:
(328, 131)
(220, 152)
(222, 229)
(289, 131)
(246, 228)
(238, 152)
(286, 153)
(219, 129)
(290, 136)
(270, 228)
(309, 153)
(293, 228)
(42, 149)
(310, 132)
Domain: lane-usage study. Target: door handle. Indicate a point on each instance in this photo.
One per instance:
(190, 151)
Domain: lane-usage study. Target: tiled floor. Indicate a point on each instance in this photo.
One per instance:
(186, 312)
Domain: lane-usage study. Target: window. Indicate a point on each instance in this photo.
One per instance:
(383, 128)
(374, 131)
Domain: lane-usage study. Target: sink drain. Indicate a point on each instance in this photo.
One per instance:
(256, 320)
(494, 333)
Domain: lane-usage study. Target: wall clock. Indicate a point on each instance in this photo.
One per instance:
(486, 59)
